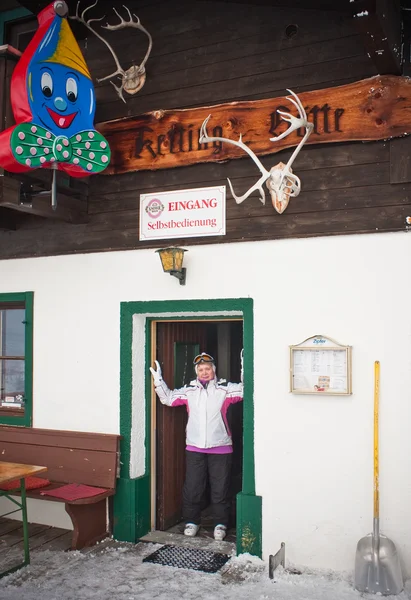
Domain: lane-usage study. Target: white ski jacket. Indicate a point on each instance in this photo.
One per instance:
(207, 425)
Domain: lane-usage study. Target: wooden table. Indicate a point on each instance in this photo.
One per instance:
(10, 472)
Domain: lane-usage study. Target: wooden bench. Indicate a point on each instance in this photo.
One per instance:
(70, 457)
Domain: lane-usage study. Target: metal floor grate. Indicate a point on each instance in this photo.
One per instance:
(188, 558)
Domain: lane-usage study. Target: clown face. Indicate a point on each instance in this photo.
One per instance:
(61, 99)
(53, 104)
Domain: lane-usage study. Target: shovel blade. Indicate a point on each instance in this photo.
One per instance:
(377, 573)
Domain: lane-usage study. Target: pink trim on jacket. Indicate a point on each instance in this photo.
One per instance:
(180, 402)
(216, 450)
(224, 409)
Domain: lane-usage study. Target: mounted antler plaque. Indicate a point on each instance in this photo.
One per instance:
(280, 180)
(133, 79)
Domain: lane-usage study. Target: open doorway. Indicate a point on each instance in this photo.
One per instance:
(134, 500)
(174, 345)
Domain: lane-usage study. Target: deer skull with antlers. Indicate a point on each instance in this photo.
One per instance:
(133, 79)
(282, 184)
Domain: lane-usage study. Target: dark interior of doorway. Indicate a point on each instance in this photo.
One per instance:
(177, 343)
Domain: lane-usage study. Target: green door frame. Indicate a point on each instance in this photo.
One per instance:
(132, 502)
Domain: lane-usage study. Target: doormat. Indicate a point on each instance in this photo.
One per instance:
(188, 558)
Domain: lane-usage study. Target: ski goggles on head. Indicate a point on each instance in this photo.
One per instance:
(203, 357)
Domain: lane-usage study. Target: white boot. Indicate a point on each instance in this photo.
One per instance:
(191, 529)
(220, 532)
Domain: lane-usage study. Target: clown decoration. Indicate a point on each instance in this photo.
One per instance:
(53, 102)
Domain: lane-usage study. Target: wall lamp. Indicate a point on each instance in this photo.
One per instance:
(172, 262)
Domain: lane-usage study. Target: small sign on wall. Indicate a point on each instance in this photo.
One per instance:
(320, 365)
(183, 213)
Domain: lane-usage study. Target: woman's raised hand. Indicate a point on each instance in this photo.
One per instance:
(157, 376)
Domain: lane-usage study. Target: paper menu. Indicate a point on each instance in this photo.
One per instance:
(320, 365)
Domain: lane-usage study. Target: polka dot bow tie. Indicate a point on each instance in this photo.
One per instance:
(33, 146)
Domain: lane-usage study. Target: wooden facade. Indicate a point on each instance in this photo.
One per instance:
(214, 52)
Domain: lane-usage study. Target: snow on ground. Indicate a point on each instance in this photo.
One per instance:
(117, 572)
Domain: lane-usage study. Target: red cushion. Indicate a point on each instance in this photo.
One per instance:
(75, 491)
(32, 483)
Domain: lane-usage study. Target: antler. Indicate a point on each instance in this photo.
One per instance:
(134, 78)
(204, 138)
(136, 25)
(82, 19)
(286, 179)
(281, 181)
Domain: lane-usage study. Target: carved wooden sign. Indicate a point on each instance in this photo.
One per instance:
(372, 109)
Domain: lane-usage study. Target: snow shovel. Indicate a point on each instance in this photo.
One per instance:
(377, 564)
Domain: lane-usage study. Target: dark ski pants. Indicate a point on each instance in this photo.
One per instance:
(199, 466)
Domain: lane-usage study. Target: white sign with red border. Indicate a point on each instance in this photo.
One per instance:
(182, 213)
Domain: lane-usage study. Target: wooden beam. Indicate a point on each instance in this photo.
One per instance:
(400, 160)
(7, 220)
(372, 109)
(41, 207)
(9, 4)
(8, 58)
(38, 201)
(9, 188)
(406, 64)
(40, 180)
(334, 5)
(9, 52)
(380, 23)
(9, 191)
(35, 6)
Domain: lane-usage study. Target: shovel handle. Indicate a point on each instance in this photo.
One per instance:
(376, 463)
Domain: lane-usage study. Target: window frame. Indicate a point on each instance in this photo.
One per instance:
(15, 14)
(24, 420)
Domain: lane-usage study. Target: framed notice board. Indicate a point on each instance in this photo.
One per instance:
(320, 365)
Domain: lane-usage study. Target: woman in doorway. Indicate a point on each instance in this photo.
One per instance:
(208, 438)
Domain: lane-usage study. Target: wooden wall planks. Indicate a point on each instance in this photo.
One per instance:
(206, 53)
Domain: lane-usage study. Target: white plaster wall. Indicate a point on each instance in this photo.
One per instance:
(313, 454)
(50, 513)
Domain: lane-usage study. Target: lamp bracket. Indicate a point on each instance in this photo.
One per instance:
(181, 275)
